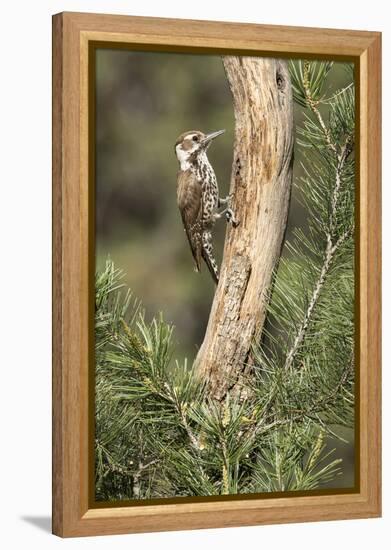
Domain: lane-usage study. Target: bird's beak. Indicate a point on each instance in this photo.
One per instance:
(209, 137)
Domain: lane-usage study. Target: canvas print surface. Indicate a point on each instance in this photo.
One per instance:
(225, 276)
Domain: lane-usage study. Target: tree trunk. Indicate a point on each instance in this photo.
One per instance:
(261, 185)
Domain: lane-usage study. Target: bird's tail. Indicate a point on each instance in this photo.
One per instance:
(207, 254)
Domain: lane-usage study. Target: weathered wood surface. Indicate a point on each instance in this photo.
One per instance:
(261, 186)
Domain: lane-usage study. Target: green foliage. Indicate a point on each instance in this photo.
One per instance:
(294, 459)
(308, 80)
(158, 432)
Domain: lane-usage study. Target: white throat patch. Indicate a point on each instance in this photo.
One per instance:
(183, 157)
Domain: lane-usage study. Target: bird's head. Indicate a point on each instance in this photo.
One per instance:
(190, 144)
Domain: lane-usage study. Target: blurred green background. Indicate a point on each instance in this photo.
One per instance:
(144, 100)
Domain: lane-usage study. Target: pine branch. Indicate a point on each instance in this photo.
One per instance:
(313, 106)
(331, 250)
(294, 416)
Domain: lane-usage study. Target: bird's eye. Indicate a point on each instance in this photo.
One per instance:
(195, 138)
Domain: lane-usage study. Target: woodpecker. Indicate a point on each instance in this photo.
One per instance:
(198, 196)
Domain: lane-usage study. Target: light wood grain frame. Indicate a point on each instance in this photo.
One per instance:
(72, 33)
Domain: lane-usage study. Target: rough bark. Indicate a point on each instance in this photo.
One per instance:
(261, 185)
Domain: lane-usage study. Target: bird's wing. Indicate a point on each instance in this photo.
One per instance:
(189, 197)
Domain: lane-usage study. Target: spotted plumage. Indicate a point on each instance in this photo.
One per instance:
(198, 196)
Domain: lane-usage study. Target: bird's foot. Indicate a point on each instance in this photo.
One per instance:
(230, 217)
(225, 201)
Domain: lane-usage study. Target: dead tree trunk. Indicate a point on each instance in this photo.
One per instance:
(261, 185)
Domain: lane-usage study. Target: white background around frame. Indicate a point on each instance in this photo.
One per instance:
(25, 289)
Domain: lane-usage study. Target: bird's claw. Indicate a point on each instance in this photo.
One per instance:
(230, 217)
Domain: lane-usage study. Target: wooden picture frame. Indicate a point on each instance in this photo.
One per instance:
(73, 34)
